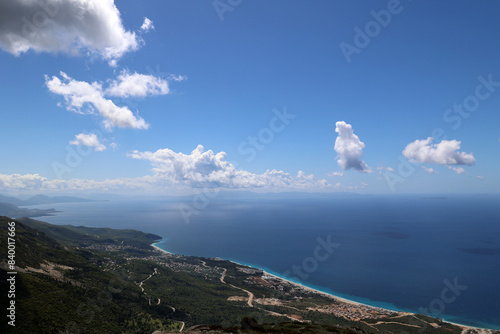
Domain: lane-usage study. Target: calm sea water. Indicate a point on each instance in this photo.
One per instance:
(434, 255)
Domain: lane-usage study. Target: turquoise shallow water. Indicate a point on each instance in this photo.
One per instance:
(399, 253)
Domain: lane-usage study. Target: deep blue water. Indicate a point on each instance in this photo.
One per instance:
(399, 252)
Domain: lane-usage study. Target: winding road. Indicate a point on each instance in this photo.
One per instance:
(223, 276)
(141, 283)
(251, 296)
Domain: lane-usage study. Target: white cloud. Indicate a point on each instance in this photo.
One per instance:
(349, 148)
(21, 182)
(458, 170)
(90, 140)
(137, 85)
(86, 98)
(335, 174)
(72, 26)
(177, 77)
(35, 182)
(480, 177)
(429, 170)
(177, 171)
(83, 97)
(443, 153)
(381, 168)
(270, 180)
(147, 25)
(205, 168)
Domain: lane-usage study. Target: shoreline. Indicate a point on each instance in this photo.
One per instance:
(352, 302)
(160, 249)
(313, 290)
(337, 298)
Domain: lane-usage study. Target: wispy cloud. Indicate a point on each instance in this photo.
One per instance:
(36, 182)
(381, 168)
(429, 170)
(137, 85)
(147, 25)
(90, 140)
(458, 170)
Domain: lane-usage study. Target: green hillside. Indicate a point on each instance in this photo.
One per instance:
(83, 299)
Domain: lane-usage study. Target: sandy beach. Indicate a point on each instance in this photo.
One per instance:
(340, 299)
(465, 328)
(161, 250)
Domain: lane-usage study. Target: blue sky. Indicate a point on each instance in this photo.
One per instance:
(219, 73)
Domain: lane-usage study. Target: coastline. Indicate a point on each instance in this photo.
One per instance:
(313, 290)
(160, 249)
(355, 303)
(337, 298)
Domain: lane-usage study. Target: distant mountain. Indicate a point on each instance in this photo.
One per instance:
(38, 199)
(11, 200)
(9, 206)
(41, 199)
(11, 210)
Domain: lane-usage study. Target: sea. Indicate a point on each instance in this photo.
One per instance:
(435, 255)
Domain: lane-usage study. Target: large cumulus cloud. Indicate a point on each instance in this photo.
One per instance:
(70, 26)
(444, 153)
(178, 171)
(349, 148)
(203, 168)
